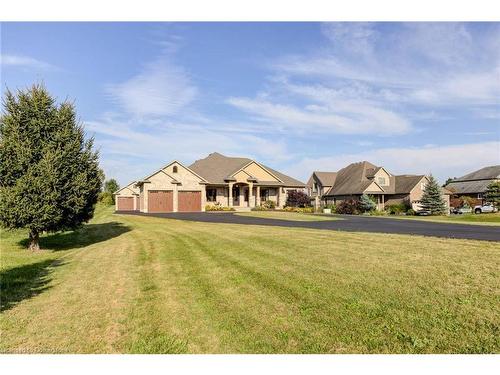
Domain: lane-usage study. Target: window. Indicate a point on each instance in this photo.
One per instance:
(211, 195)
(422, 186)
(315, 187)
(264, 194)
(175, 169)
(381, 181)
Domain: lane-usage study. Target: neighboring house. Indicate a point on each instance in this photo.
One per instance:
(217, 179)
(319, 183)
(365, 178)
(473, 185)
(127, 198)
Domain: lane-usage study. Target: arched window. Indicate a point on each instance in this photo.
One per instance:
(175, 169)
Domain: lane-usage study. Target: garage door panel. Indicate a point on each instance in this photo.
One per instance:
(125, 203)
(160, 201)
(189, 201)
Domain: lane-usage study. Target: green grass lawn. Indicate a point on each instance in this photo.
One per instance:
(291, 216)
(134, 284)
(479, 219)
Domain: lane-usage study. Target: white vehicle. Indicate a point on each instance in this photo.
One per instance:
(487, 207)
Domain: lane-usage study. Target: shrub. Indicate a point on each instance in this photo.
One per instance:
(411, 212)
(303, 210)
(297, 198)
(349, 207)
(217, 207)
(260, 208)
(331, 207)
(106, 198)
(396, 209)
(269, 205)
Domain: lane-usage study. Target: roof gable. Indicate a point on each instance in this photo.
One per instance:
(174, 180)
(130, 188)
(258, 172)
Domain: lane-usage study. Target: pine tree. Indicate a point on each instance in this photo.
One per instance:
(49, 173)
(493, 193)
(432, 199)
(366, 203)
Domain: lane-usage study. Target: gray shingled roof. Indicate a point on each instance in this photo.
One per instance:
(216, 168)
(356, 177)
(326, 178)
(352, 179)
(468, 187)
(487, 173)
(405, 183)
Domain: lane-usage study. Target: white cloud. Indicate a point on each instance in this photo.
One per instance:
(345, 118)
(438, 64)
(441, 161)
(161, 89)
(7, 60)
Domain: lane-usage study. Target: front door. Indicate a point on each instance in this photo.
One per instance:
(236, 195)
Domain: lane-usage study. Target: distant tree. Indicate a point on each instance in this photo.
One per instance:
(493, 193)
(432, 198)
(366, 203)
(49, 172)
(297, 198)
(448, 180)
(107, 196)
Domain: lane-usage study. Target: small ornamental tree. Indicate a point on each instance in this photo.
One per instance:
(366, 203)
(432, 199)
(349, 207)
(297, 198)
(49, 173)
(493, 193)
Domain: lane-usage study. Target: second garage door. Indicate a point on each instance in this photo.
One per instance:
(189, 201)
(160, 201)
(125, 203)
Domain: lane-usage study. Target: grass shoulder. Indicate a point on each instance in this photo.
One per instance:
(290, 216)
(492, 219)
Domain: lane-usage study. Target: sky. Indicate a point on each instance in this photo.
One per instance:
(416, 98)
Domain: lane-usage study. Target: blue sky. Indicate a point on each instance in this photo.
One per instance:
(414, 97)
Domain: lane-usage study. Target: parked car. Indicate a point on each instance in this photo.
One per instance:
(487, 207)
(461, 210)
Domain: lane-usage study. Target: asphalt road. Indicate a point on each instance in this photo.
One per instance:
(348, 223)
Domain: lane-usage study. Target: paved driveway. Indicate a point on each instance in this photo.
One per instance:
(351, 224)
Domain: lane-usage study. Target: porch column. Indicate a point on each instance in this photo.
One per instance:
(116, 202)
(278, 196)
(383, 203)
(204, 197)
(241, 200)
(257, 196)
(230, 195)
(135, 203)
(176, 198)
(251, 201)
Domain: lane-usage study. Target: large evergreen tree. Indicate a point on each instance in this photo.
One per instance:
(493, 193)
(432, 198)
(49, 173)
